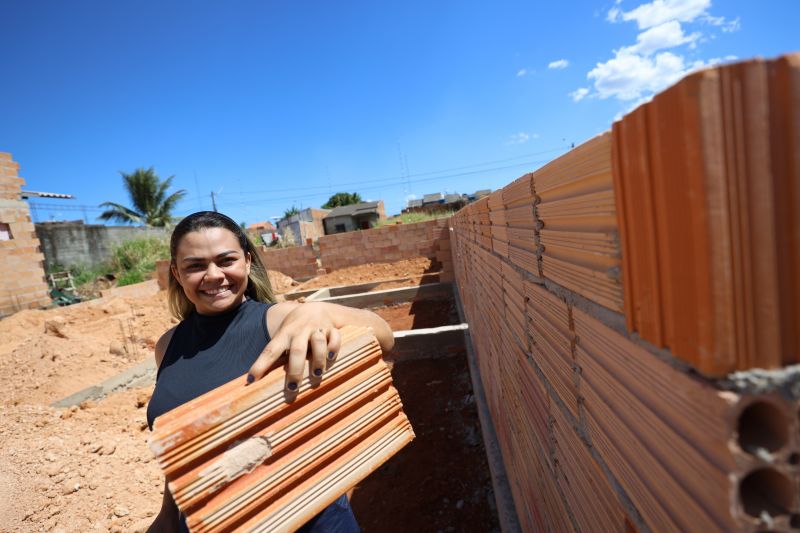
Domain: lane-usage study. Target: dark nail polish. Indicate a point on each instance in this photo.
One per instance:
(292, 386)
(250, 378)
(331, 355)
(318, 372)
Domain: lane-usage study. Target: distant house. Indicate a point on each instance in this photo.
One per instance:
(265, 230)
(437, 203)
(307, 224)
(261, 227)
(355, 216)
(435, 198)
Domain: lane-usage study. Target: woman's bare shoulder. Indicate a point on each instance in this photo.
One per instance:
(162, 344)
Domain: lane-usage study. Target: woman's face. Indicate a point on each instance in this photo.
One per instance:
(212, 268)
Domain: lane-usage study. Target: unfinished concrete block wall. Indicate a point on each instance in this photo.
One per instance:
(296, 261)
(620, 299)
(20, 257)
(388, 243)
(70, 244)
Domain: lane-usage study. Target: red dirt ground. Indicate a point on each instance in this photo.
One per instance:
(418, 315)
(88, 468)
(372, 272)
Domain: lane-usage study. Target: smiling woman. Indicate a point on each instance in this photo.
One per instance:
(230, 325)
(212, 269)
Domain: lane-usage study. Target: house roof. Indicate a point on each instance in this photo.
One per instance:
(414, 203)
(450, 198)
(261, 225)
(432, 198)
(353, 210)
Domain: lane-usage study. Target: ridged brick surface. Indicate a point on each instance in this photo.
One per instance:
(578, 218)
(663, 433)
(586, 490)
(709, 209)
(552, 343)
(251, 458)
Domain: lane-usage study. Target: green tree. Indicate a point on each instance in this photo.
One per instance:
(291, 211)
(148, 194)
(342, 198)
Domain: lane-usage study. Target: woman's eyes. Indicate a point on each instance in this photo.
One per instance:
(225, 261)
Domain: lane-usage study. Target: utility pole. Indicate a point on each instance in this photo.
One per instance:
(213, 201)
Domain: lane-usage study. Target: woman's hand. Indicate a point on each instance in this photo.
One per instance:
(314, 325)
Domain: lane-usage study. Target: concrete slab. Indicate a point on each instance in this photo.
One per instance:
(365, 300)
(428, 343)
(141, 375)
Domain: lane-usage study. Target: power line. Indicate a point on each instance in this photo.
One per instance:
(404, 175)
(381, 187)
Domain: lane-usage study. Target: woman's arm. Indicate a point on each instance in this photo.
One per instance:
(293, 327)
(167, 519)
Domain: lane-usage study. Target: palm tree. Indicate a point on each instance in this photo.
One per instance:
(148, 194)
(342, 198)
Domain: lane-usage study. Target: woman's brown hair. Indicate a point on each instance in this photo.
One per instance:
(258, 285)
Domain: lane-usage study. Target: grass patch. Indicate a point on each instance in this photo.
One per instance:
(135, 260)
(131, 262)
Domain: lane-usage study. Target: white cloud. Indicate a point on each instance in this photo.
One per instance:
(731, 26)
(728, 26)
(637, 71)
(578, 94)
(628, 75)
(666, 35)
(521, 72)
(519, 138)
(559, 64)
(660, 11)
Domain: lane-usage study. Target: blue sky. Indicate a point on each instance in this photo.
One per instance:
(274, 104)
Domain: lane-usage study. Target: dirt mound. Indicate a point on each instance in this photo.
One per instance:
(372, 272)
(281, 282)
(48, 355)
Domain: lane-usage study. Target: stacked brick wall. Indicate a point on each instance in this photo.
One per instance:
(387, 244)
(20, 257)
(296, 261)
(591, 291)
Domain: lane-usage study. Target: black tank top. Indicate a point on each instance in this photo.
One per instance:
(206, 352)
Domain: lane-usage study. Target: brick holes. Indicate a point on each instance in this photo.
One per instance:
(794, 459)
(5, 232)
(762, 426)
(765, 491)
